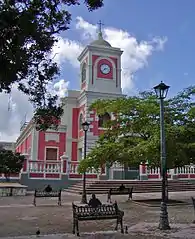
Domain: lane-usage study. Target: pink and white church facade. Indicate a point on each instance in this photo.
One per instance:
(52, 157)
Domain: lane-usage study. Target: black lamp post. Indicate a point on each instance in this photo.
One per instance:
(85, 126)
(161, 91)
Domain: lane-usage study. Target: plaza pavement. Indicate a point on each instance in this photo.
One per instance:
(19, 219)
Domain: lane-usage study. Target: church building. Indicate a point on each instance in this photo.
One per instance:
(52, 157)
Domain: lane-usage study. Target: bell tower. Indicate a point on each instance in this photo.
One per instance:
(100, 67)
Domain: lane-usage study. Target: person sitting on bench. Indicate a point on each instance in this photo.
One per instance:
(94, 202)
(122, 187)
(48, 189)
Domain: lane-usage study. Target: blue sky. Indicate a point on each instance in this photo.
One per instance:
(144, 19)
(158, 42)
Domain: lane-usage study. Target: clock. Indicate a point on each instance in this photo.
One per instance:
(105, 69)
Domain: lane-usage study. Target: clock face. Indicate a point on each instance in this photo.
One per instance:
(105, 69)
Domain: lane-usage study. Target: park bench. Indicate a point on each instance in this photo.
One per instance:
(117, 191)
(43, 194)
(103, 212)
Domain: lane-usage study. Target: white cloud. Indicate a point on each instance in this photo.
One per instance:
(135, 53)
(13, 109)
(67, 51)
(159, 42)
(59, 88)
(16, 109)
(89, 30)
(134, 58)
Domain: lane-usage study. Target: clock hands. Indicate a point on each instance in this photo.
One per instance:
(105, 69)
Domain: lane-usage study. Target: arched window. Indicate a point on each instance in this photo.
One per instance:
(80, 121)
(103, 119)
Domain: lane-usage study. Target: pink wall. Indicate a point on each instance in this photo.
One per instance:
(95, 130)
(99, 74)
(42, 144)
(76, 132)
(116, 68)
(75, 115)
(25, 145)
(94, 58)
(83, 84)
(94, 123)
(24, 148)
(74, 151)
(81, 110)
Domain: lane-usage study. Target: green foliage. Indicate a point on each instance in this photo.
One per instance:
(28, 31)
(134, 135)
(48, 118)
(10, 162)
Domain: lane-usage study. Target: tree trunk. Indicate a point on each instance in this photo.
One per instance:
(7, 177)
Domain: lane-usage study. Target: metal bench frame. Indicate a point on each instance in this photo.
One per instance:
(103, 212)
(43, 194)
(117, 191)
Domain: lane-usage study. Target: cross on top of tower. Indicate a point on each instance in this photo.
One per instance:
(100, 24)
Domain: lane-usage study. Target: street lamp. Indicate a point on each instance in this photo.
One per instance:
(161, 91)
(85, 127)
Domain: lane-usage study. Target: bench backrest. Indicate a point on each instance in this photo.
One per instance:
(87, 210)
(39, 193)
(128, 190)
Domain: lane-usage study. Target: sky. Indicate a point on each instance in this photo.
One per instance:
(157, 38)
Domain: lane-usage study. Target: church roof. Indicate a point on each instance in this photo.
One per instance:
(100, 41)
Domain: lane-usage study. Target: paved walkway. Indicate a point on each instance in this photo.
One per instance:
(140, 230)
(20, 219)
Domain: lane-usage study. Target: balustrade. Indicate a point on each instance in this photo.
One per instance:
(40, 166)
(187, 171)
(73, 168)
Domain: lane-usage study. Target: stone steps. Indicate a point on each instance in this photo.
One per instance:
(78, 187)
(102, 187)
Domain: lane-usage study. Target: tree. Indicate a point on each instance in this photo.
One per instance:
(10, 162)
(28, 31)
(134, 135)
